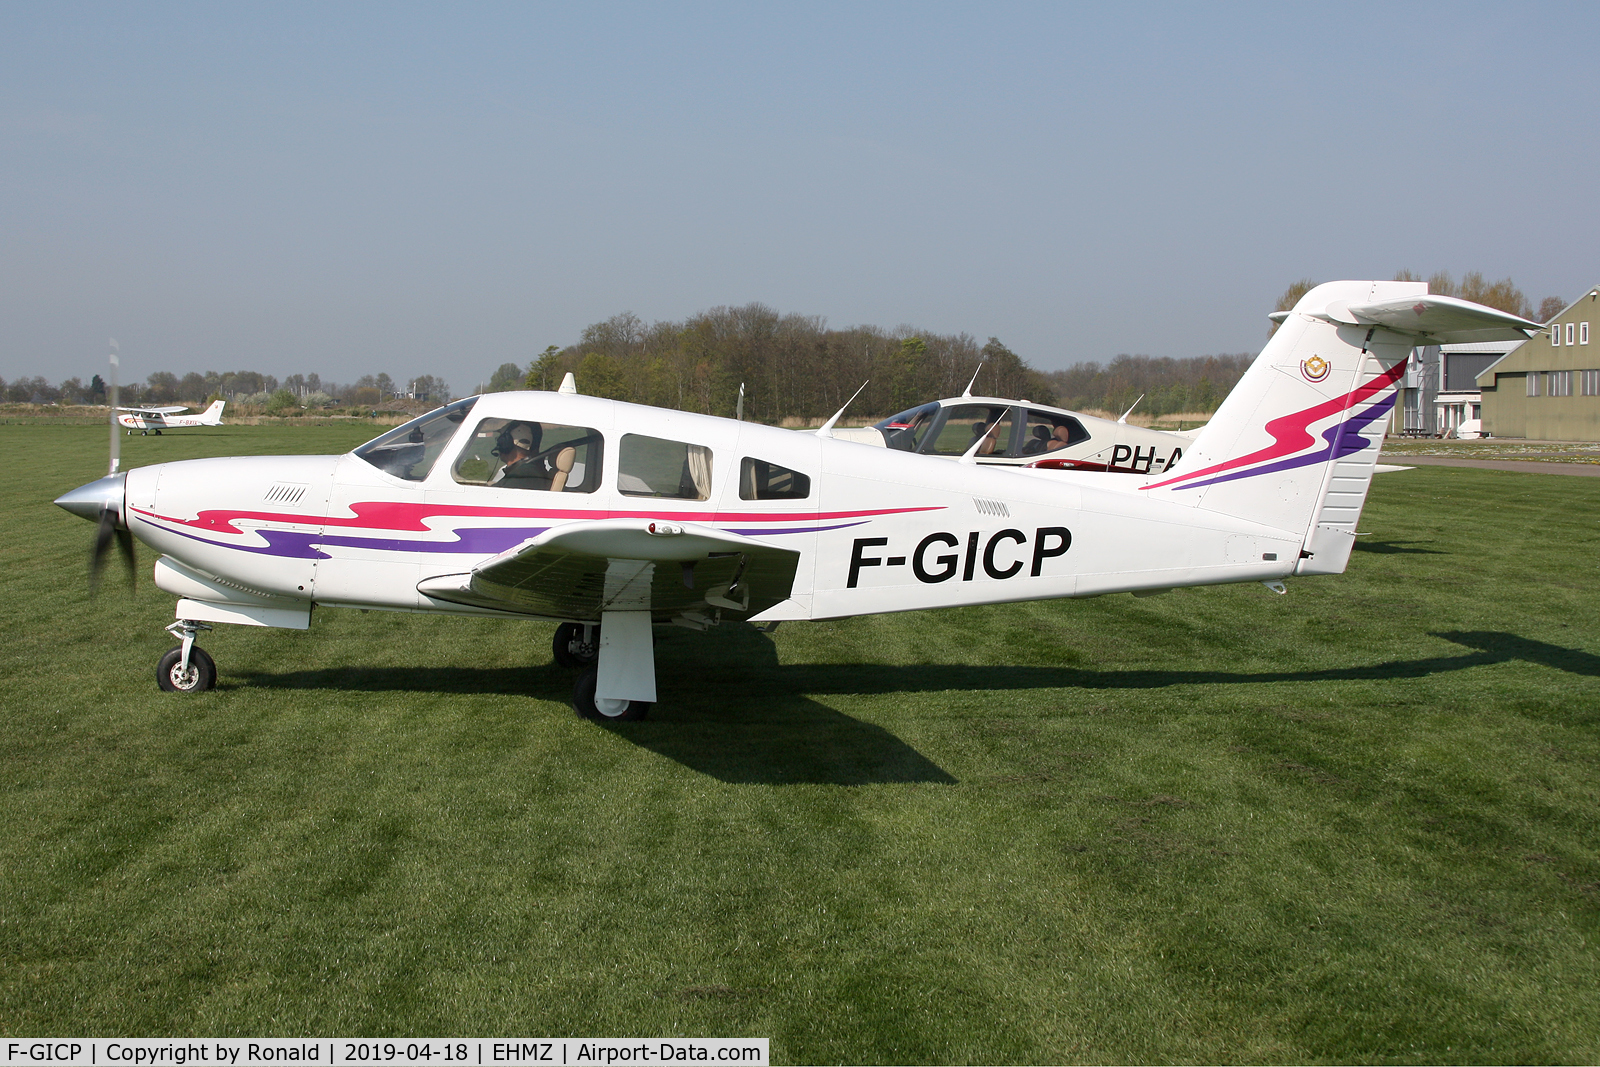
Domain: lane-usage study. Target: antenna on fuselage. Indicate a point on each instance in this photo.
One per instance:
(1135, 404)
(827, 428)
(968, 390)
(569, 385)
(738, 412)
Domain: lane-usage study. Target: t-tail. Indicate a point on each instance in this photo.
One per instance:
(1295, 443)
(212, 416)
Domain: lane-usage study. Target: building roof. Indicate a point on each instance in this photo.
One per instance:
(1518, 358)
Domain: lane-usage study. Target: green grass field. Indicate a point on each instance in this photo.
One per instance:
(1354, 823)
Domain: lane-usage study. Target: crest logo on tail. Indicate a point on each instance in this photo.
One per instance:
(1315, 369)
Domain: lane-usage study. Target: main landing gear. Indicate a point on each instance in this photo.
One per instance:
(578, 646)
(187, 668)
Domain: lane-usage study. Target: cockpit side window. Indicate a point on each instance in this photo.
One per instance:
(906, 430)
(520, 454)
(760, 480)
(409, 451)
(651, 466)
(966, 422)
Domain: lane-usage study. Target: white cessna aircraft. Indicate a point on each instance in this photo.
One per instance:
(154, 420)
(614, 517)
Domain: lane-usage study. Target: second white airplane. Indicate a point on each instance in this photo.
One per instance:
(170, 417)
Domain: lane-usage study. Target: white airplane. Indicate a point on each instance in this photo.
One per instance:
(1018, 433)
(613, 517)
(154, 420)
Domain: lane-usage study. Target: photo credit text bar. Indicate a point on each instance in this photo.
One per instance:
(383, 1051)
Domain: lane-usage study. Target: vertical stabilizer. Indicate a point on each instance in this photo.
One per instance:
(213, 414)
(1294, 445)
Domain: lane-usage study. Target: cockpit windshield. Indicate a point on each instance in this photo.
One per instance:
(906, 430)
(409, 451)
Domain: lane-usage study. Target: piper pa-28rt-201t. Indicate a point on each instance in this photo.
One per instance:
(611, 517)
(154, 420)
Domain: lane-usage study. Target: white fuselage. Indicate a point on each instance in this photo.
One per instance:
(880, 530)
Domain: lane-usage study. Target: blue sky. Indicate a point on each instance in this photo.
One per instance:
(438, 189)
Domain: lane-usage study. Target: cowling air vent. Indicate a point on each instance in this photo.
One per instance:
(286, 493)
(991, 507)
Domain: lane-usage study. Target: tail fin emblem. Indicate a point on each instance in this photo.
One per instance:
(1315, 369)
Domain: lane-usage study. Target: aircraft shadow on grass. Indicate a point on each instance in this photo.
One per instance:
(738, 715)
(1395, 548)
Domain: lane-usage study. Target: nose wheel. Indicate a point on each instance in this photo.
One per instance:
(187, 668)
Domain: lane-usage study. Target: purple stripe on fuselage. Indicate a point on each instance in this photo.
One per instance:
(293, 544)
(1343, 440)
(472, 540)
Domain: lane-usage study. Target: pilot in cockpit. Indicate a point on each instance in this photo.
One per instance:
(523, 466)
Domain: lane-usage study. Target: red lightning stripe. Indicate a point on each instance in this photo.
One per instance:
(387, 515)
(1289, 431)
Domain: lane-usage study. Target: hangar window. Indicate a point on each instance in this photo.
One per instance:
(1583, 333)
(1533, 383)
(522, 454)
(1591, 383)
(409, 451)
(1560, 383)
(760, 480)
(651, 466)
(1571, 326)
(1555, 335)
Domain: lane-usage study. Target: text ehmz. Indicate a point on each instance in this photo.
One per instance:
(1000, 556)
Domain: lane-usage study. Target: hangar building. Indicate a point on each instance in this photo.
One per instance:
(1548, 387)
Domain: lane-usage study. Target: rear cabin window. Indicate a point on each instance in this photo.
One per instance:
(760, 480)
(519, 454)
(652, 466)
(1046, 433)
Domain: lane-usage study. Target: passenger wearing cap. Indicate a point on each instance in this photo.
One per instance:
(523, 466)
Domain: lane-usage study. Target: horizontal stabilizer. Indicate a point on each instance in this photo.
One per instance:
(1436, 320)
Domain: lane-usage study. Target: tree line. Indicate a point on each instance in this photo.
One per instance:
(245, 388)
(1167, 386)
(791, 367)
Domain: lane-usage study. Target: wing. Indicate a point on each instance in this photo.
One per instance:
(578, 570)
(155, 412)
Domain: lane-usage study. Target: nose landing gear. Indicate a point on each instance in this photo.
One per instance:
(187, 668)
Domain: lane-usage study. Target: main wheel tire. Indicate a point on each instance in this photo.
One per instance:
(601, 710)
(569, 648)
(201, 675)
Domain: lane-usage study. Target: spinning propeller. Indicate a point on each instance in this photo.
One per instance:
(103, 502)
